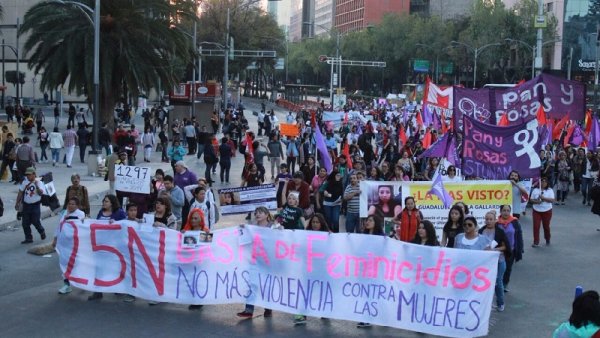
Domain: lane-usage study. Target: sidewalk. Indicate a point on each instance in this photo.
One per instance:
(97, 187)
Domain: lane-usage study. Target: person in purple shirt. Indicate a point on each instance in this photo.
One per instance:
(183, 176)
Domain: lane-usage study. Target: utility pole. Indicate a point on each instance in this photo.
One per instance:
(18, 72)
(226, 67)
(193, 87)
(96, 111)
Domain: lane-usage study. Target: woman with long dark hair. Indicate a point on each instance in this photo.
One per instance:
(333, 190)
(453, 226)
(426, 234)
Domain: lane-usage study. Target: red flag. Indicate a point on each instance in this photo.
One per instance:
(568, 136)
(588, 121)
(346, 152)
(558, 128)
(541, 115)
(402, 135)
(503, 120)
(419, 120)
(427, 140)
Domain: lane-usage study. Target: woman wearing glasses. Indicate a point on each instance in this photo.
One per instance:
(470, 239)
(451, 177)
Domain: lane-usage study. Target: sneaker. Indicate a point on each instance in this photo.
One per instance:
(27, 241)
(195, 307)
(535, 245)
(43, 235)
(363, 325)
(245, 314)
(501, 308)
(506, 290)
(299, 320)
(65, 289)
(152, 303)
(268, 313)
(548, 243)
(129, 299)
(95, 296)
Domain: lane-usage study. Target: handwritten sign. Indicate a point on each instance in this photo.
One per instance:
(289, 129)
(355, 277)
(132, 179)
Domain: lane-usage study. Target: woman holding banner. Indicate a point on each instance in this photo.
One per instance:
(425, 234)
(291, 217)
(263, 218)
(470, 239)
(163, 217)
(333, 190)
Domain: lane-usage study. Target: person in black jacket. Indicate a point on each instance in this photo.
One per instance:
(104, 138)
(225, 153)
(8, 146)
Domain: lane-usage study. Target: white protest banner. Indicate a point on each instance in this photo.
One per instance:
(246, 199)
(132, 179)
(353, 277)
(386, 199)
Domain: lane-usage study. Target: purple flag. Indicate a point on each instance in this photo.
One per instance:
(437, 125)
(577, 136)
(426, 115)
(437, 188)
(545, 135)
(452, 153)
(559, 97)
(323, 149)
(594, 135)
(492, 152)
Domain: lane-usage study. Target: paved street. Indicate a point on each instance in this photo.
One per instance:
(542, 286)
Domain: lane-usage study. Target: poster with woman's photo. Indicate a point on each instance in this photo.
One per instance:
(247, 199)
(382, 199)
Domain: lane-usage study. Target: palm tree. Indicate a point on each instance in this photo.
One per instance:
(140, 48)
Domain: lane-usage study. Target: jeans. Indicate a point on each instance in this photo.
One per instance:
(55, 155)
(56, 121)
(499, 284)
(44, 156)
(275, 163)
(352, 222)
(332, 216)
(586, 186)
(31, 215)
(200, 150)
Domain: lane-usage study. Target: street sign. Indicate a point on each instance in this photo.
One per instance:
(421, 66)
(322, 58)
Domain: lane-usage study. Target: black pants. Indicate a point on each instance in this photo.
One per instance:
(509, 265)
(71, 121)
(31, 215)
(225, 167)
(207, 172)
(191, 141)
(7, 164)
(82, 152)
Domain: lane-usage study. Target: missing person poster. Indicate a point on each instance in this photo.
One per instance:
(247, 199)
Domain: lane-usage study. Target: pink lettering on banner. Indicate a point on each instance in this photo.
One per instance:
(101, 247)
(289, 251)
(157, 278)
(481, 274)
(190, 253)
(467, 280)
(258, 250)
(403, 265)
(219, 239)
(332, 262)
(310, 254)
(73, 256)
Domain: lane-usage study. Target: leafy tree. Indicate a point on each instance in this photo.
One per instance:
(139, 47)
(594, 8)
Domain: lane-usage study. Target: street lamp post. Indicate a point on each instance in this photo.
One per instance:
(337, 56)
(16, 51)
(476, 52)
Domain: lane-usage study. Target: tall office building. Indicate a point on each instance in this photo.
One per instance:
(445, 9)
(280, 10)
(324, 10)
(351, 15)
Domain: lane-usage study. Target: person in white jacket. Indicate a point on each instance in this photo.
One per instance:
(56, 143)
(148, 144)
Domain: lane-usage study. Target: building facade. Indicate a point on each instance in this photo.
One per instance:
(445, 9)
(351, 15)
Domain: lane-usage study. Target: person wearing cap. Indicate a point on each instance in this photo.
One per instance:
(28, 202)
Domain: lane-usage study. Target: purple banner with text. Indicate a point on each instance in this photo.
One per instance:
(559, 97)
(492, 152)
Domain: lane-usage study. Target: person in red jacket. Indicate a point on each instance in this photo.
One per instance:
(297, 184)
(409, 218)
